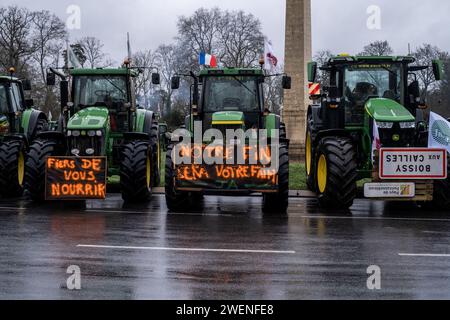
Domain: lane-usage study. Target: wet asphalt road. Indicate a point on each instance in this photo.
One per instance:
(228, 251)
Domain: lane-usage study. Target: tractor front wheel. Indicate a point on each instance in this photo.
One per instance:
(12, 168)
(37, 156)
(336, 173)
(279, 202)
(136, 176)
(176, 201)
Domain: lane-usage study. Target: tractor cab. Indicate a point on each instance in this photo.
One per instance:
(232, 99)
(12, 103)
(110, 90)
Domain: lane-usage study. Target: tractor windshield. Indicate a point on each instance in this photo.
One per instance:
(110, 91)
(365, 81)
(3, 100)
(231, 93)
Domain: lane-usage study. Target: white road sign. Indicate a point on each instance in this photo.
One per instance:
(413, 163)
(389, 190)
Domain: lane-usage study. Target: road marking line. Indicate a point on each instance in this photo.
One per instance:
(424, 255)
(186, 249)
(372, 218)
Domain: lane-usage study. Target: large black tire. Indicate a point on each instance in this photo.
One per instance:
(309, 161)
(37, 156)
(156, 154)
(41, 126)
(176, 201)
(279, 202)
(136, 172)
(441, 196)
(12, 168)
(336, 173)
(283, 131)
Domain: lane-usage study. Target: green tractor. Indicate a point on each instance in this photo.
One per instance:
(100, 118)
(369, 122)
(20, 123)
(223, 101)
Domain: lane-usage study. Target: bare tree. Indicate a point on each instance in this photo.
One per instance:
(240, 39)
(377, 48)
(15, 43)
(48, 37)
(93, 49)
(168, 61)
(146, 61)
(234, 37)
(198, 33)
(322, 57)
(424, 55)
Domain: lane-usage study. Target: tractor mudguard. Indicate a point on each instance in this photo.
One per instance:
(331, 133)
(53, 135)
(136, 136)
(144, 121)
(16, 137)
(30, 120)
(315, 112)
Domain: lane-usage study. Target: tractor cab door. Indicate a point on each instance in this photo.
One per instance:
(16, 105)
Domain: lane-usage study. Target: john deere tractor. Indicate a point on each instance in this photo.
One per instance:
(369, 122)
(224, 101)
(19, 125)
(100, 118)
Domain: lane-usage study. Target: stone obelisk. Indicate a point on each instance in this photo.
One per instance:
(298, 53)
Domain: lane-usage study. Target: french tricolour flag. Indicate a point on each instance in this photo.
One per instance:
(208, 60)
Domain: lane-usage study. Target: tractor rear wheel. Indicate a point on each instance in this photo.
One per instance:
(441, 196)
(176, 201)
(336, 173)
(279, 202)
(12, 168)
(37, 156)
(136, 176)
(309, 162)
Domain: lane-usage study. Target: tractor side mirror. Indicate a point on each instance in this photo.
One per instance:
(175, 83)
(51, 79)
(26, 85)
(287, 83)
(438, 69)
(156, 79)
(312, 72)
(29, 103)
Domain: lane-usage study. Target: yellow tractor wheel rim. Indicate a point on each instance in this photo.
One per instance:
(308, 154)
(322, 174)
(21, 168)
(149, 172)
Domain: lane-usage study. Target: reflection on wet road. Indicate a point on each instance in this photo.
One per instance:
(230, 250)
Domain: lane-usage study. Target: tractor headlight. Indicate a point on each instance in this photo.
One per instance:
(76, 133)
(385, 125)
(407, 125)
(91, 133)
(90, 151)
(75, 152)
(69, 133)
(99, 133)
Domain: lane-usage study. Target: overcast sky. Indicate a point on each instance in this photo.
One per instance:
(340, 26)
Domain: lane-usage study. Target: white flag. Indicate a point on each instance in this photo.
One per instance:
(376, 144)
(270, 60)
(439, 132)
(72, 59)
